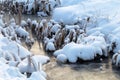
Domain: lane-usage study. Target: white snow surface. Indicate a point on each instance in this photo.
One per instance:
(10, 73)
(22, 32)
(69, 3)
(70, 11)
(13, 58)
(50, 46)
(104, 23)
(62, 58)
(73, 51)
(13, 48)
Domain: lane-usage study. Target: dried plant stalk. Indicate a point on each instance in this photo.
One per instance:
(18, 50)
(19, 15)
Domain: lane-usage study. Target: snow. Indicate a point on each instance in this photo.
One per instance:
(23, 23)
(89, 48)
(69, 27)
(30, 1)
(37, 76)
(55, 28)
(73, 51)
(105, 29)
(41, 59)
(58, 52)
(100, 36)
(41, 14)
(34, 22)
(102, 28)
(15, 49)
(98, 42)
(71, 2)
(15, 58)
(50, 46)
(28, 20)
(62, 58)
(30, 6)
(21, 32)
(64, 14)
(116, 41)
(116, 59)
(8, 73)
(69, 13)
(26, 66)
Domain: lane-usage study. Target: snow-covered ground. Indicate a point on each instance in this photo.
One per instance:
(17, 59)
(71, 11)
(13, 58)
(100, 18)
(80, 30)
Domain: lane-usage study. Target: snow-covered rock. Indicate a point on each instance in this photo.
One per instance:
(50, 46)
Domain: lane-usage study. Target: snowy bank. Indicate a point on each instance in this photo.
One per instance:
(74, 52)
(70, 13)
(17, 59)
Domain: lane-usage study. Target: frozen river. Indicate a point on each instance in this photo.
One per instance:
(80, 71)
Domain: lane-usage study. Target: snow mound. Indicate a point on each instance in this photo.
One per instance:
(62, 58)
(13, 48)
(50, 47)
(72, 52)
(5, 72)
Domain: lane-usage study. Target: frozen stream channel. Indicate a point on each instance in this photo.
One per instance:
(85, 71)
